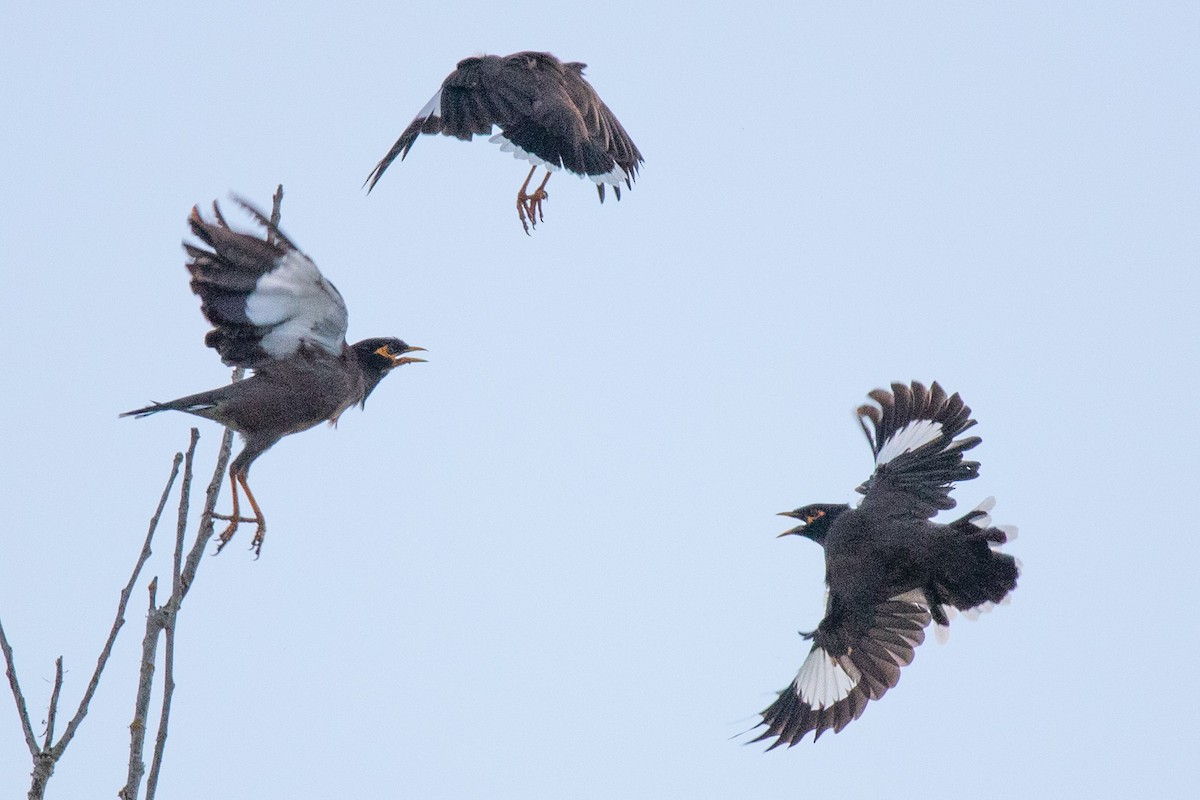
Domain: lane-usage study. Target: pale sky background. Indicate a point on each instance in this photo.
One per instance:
(544, 565)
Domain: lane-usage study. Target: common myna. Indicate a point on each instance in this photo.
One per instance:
(889, 569)
(547, 112)
(273, 312)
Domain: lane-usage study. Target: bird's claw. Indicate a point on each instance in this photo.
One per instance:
(257, 542)
(227, 534)
(529, 208)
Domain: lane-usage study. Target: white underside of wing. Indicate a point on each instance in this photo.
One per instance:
(915, 434)
(297, 304)
(942, 632)
(1010, 533)
(983, 608)
(822, 680)
(986, 506)
(431, 109)
(614, 176)
(519, 152)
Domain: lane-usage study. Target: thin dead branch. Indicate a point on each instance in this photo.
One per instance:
(164, 619)
(53, 713)
(159, 620)
(45, 757)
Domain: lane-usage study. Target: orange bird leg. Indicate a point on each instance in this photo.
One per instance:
(525, 207)
(261, 533)
(535, 200)
(235, 517)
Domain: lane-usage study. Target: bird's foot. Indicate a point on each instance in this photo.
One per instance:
(529, 208)
(257, 542)
(231, 529)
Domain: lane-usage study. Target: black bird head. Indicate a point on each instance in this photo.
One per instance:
(814, 520)
(379, 356)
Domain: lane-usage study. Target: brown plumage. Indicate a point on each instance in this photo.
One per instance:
(274, 312)
(889, 569)
(547, 113)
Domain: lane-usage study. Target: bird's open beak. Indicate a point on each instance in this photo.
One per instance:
(398, 360)
(796, 530)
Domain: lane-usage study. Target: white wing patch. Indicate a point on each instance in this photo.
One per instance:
(431, 109)
(822, 680)
(912, 436)
(615, 176)
(296, 302)
(519, 152)
(1010, 533)
(986, 506)
(942, 632)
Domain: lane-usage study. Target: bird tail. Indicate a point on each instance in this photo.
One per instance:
(153, 408)
(974, 575)
(202, 405)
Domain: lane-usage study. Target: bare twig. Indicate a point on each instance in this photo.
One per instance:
(170, 610)
(73, 725)
(160, 741)
(158, 620)
(22, 711)
(165, 618)
(45, 757)
(50, 716)
(192, 562)
(276, 203)
(137, 728)
(185, 496)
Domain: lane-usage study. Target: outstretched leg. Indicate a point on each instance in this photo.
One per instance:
(261, 533)
(529, 206)
(235, 518)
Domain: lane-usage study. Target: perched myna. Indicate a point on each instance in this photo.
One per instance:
(888, 568)
(547, 113)
(274, 312)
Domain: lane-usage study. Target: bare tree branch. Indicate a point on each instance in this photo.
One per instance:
(276, 203)
(172, 607)
(137, 728)
(45, 757)
(165, 618)
(73, 725)
(158, 620)
(50, 716)
(13, 684)
(160, 741)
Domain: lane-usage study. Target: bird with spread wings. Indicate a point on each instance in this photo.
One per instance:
(275, 313)
(889, 569)
(548, 114)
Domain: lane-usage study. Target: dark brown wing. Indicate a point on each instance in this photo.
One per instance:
(604, 130)
(917, 457)
(481, 92)
(856, 657)
(264, 297)
(547, 114)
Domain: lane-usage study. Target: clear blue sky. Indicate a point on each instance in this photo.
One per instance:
(544, 565)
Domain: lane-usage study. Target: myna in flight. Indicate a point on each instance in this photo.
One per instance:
(275, 313)
(889, 569)
(547, 113)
